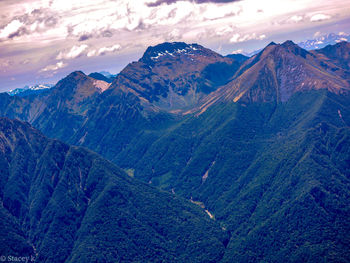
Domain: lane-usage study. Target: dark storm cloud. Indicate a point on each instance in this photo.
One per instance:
(84, 37)
(20, 32)
(46, 16)
(107, 33)
(168, 2)
(51, 21)
(43, 16)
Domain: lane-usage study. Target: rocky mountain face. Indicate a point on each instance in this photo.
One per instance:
(276, 73)
(59, 111)
(338, 54)
(175, 76)
(262, 143)
(66, 204)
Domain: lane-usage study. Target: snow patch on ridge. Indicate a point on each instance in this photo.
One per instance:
(28, 88)
(185, 50)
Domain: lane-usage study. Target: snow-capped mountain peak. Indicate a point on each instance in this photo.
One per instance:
(29, 89)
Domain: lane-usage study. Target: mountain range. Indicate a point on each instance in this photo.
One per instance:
(27, 90)
(319, 41)
(259, 146)
(322, 40)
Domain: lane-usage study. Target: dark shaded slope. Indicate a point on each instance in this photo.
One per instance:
(294, 196)
(99, 76)
(12, 239)
(339, 54)
(238, 57)
(74, 206)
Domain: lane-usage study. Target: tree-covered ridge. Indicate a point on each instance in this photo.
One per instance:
(274, 174)
(69, 205)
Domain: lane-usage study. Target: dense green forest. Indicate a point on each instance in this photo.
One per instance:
(66, 204)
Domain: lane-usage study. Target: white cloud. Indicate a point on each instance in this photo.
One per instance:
(222, 31)
(236, 38)
(92, 53)
(54, 67)
(341, 39)
(74, 52)
(108, 49)
(10, 28)
(317, 34)
(103, 50)
(238, 51)
(319, 17)
(42, 27)
(215, 12)
(296, 18)
(174, 34)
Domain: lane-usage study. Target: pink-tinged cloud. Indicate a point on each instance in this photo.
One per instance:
(168, 2)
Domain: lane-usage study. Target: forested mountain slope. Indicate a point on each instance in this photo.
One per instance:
(274, 174)
(61, 203)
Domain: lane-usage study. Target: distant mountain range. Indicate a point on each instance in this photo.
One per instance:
(321, 41)
(28, 90)
(260, 144)
(39, 88)
(107, 74)
(103, 75)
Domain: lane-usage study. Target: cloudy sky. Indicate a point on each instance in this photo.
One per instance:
(41, 41)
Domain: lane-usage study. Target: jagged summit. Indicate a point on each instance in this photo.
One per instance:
(272, 44)
(78, 80)
(175, 75)
(168, 49)
(288, 43)
(279, 71)
(287, 46)
(76, 74)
